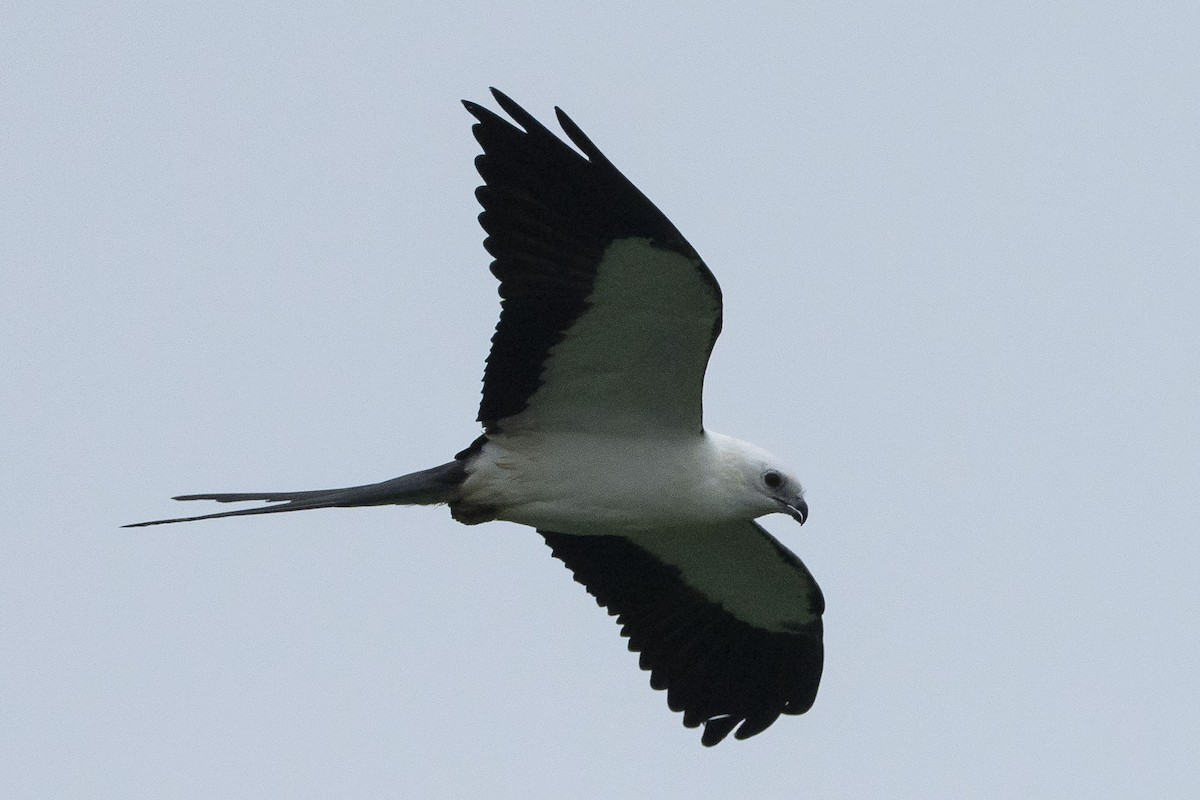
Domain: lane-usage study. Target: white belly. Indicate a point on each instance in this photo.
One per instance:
(571, 482)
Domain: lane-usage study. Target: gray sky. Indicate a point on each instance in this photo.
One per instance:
(959, 252)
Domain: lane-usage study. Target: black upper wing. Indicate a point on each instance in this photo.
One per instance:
(605, 306)
(735, 642)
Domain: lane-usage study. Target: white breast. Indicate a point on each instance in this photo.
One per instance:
(577, 482)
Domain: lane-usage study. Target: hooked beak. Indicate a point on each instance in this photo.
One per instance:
(797, 510)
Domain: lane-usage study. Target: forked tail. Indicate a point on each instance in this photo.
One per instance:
(424, 488)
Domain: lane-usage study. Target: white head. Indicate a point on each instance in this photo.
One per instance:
(759, 483)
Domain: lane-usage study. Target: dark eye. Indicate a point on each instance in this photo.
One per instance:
(773, 479)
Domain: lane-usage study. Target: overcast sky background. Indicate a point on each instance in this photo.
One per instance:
(959, 247)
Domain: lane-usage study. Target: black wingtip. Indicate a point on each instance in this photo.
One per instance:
(716, 729)
(578, 137)
(527, 121)
(530, 123)
(496, 93)
(481, 114)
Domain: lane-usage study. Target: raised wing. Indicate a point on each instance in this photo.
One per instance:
(726, 619)
(608, 315)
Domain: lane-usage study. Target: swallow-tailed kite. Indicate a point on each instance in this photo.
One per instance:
(593, 435)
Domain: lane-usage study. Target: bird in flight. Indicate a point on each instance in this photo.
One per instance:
(593, 435)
